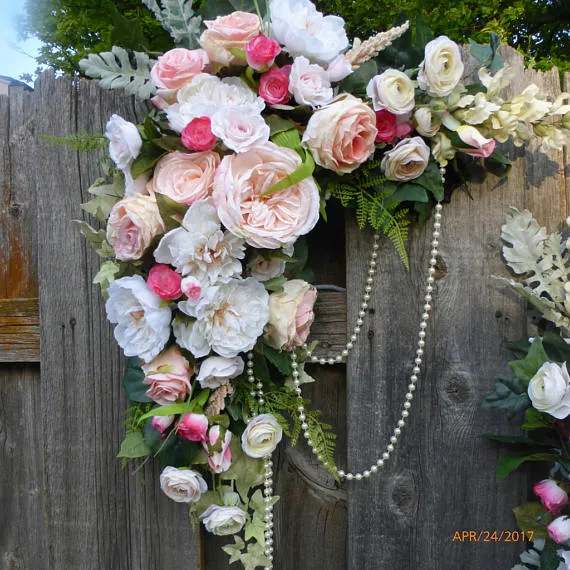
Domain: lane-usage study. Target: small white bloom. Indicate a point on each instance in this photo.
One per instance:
(309, 83)
(200, 248)
(261, 436)
(442, 68)
(497, 82)
(264, 269)
(216, 371)
(298, 26)
(182, 485)
(549, 390)
(125, 141)
(427, 124)
(478, 110)
(392, 90)
(240, 128)
(223, 520)
(529, 106)
(143, 323)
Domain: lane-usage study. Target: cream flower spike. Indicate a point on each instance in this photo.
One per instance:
(371, 47)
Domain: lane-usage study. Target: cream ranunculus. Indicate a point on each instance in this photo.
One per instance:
(392, 90)
(261, 436)
(427, 124)
(341, 135)
(442, 67)
(407, 160)
(223, 520)
(217, 370)
(182, 485)
(442, 149)
(549, 390)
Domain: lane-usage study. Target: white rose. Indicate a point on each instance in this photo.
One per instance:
(427, 124)
(309, 83)
(125, 141)
(182, 485)
(442, 68)
(240, 128)
(217, 370)
(143, 323)
(298, 26)
(549, 390)
(261, 436)
(392, 90)
(223, 520)
(407, 160)
(264, 269)
(338, 69)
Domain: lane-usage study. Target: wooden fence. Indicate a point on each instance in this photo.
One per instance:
(66, 504)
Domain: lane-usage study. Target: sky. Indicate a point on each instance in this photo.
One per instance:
(13, 58)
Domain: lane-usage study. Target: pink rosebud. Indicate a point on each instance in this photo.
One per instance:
(197, 135)
(191, 287)
(386, 125)
(219, 460)
(274, 86)
(164, 281)
(193, 427)
(161, 423)
(482, 147)
(168, 376)
(551, 495)
(559, 529)
(403, 130)
(261, 52)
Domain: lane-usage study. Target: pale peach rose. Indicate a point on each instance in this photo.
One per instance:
(341, 135)
(168, 376)
(178, 66)
(235, 30)
(290, 314)
(407, 160)
(482, 147)
(271, 221)
(133, 223)
(185, 178)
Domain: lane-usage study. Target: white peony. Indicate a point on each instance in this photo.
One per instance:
(217, 370)
(223, 520)
(240, 128)
(125, 141)
(298, 26)
(200, 248)
(206, 94)
(392, 90)
(182, 485)
(143, 323)
(261, 436)
(442, 68)
(549, 390)
(309, 83)
(229, 318)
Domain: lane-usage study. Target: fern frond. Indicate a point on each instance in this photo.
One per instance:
(81, 141)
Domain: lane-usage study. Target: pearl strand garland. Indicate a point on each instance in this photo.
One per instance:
(350, 344)
(257, 391)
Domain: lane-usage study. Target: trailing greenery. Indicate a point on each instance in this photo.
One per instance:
(81, 141)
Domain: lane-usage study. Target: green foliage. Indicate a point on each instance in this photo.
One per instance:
(133, 446)
(549, 559)
(171, 211)
(511, 461)
(97, 238)
(178, 19)
(525, 368)
(532, 517)
(537, 420)
(81, 141)
(509, 395)
(133, 382)
(106, 196)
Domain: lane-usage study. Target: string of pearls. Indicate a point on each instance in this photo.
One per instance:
(257, 391)
(407, 404)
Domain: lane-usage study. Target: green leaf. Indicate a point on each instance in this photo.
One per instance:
(409, 192)
(509, 395)
(106, 275)
(234, 550)
(254, 557)
(278, 124)
(555, 346)
(133, 382)
(511, 461)
(287, 139)
(526, 516)
(431, 181)
(169, 410)
(514, 439)
(423, 33)
(279, 359)
(275, 284)
(260, 367)
(150, 154)
(537, 420)
(134, 446)
(171, 212)
(305, 170)
(202, 397)
(245, 471)
(487, 54)
(300, 255)
(549, 559)
(526, 368)
(98, 239)
(357, 81)
(239, 53)
(207, 499)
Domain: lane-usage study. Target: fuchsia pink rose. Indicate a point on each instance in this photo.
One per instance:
(482, 147)
(221, 460)
(161, 423)
(197, 135)
(261, 52)
(168, 375)
(274, 86)
(178, 66)
(551, 495)
(559, 529)
(193, 427)
(164, 281)
(386, 125)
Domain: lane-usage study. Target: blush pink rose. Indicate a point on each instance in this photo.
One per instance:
(185, 178)
(161, 423)
(272, 221)
(191, 287)
(219, 461)
(133, 223)
(178, 66)
(482, 147)
(551, 495)
(291, 314)
(168, 375)
(261, 52)
(197, 135)
(164, 281)
(386, 125)
(274, 86)
(193, 427)
(235, 31)
(341, 135)
(559, 529)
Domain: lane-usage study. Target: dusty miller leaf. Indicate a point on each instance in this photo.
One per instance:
(178, 19)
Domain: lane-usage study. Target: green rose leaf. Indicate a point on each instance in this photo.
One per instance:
(532, 517)
(106, 275)
(511, 461)
(549, 559)
(509, 395)
(134, 446)
(169, 410)
(98, 239)
(537, 420)
(275, 284)
(526, 368)
(410, 192)
(150, 154)
(170, 211)
(133, 382)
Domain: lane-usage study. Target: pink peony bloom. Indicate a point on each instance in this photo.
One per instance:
(559, 529)
(482, 147)
(197, 135)
(168, 375)
(161, 423)
(191, 287)
(164, 281)
(386, 125)
(274, 86)
(261, 52)
(178, 66)
(219, 461)
(193, 427)
(550, 494)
